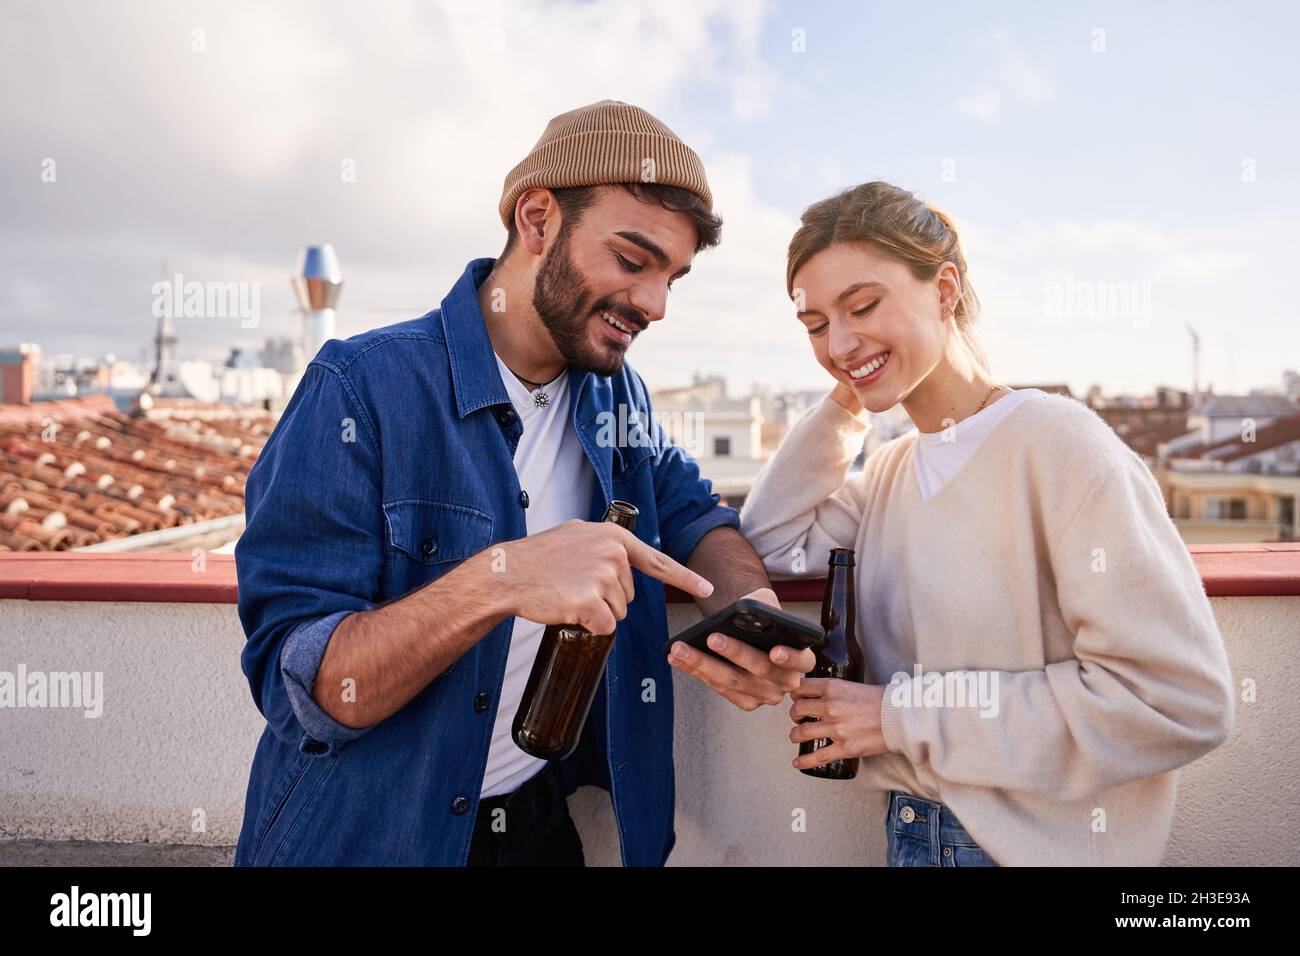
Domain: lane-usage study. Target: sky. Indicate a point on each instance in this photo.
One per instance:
(1117, 173)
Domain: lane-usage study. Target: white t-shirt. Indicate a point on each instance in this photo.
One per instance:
(940, 455)
(559, 479)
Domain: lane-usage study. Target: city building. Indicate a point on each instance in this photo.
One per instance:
(1241, 487)
(725, 435)
(1228, 466)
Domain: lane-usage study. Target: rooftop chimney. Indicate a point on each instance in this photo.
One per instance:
(317, 285)
(18, 372)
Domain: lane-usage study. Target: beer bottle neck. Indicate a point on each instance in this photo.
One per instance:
(622, 514)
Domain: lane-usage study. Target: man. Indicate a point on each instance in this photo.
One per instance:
(416, 519)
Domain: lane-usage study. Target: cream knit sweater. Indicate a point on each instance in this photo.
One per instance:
(1047, 569)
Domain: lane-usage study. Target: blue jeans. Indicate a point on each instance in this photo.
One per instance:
(924, 833)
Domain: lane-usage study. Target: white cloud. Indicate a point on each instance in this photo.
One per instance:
(232, 157)
(1207, 266)
(1015, 77)
(985, 104)
(229, 161)
(1195, 276)
(1111, 233)
(731, 315)
(1025, 78)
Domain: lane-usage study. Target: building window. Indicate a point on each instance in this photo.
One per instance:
(1237, 509)
(1286, 510)
(721, 446)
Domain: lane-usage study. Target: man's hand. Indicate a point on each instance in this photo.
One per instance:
(580, 572)
(753, 678)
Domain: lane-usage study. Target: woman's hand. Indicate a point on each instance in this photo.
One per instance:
(847, 712)
(847, 398)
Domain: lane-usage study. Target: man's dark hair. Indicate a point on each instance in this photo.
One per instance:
(574, 199)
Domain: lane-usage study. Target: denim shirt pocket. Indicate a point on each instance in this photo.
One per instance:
(426, 539)
(432, 533)
(292, 807)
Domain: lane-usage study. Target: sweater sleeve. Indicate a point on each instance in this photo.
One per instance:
(804, 502)
(1147, 690)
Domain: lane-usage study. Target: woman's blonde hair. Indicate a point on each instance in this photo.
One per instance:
(898, 223)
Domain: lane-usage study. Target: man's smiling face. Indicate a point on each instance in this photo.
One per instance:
(606, 277)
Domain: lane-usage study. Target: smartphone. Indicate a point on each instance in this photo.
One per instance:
(759, 625)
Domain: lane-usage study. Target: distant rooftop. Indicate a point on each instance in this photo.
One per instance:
(1266, 438)
(81, 472)
(1246, 405)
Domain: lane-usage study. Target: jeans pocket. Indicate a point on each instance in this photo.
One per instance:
(907, 850)
(971, 856)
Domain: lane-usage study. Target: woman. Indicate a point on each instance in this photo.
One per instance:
(1040, 653)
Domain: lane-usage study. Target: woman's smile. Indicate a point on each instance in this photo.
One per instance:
(870, 370)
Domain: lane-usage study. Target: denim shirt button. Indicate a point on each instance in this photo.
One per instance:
(460, 805)
(504, 416)
(523, 498)
(428, 547)
(481, 702)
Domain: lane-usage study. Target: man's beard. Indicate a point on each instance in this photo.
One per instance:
(565, 305)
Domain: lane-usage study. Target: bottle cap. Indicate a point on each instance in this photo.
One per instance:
(623, 514)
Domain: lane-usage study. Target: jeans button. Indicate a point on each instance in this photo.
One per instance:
(907, 814)
(481, 702)
(460, 805)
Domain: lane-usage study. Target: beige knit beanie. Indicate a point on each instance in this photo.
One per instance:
(606, 142)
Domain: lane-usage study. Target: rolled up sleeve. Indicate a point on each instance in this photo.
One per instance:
(311, 553)
(299, 663)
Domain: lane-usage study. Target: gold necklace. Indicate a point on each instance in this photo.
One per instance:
(987, 397)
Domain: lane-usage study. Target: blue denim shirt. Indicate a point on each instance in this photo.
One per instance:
(393, 462)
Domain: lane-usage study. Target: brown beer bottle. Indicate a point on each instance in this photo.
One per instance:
(565, 677)
(840, 656)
